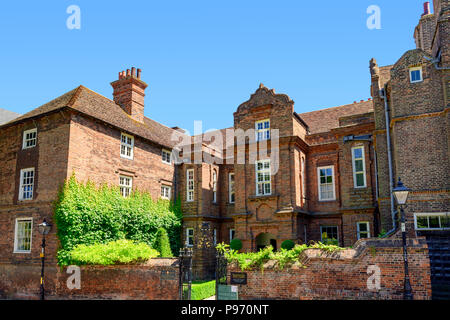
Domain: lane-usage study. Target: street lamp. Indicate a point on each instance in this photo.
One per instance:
(44, 229)
(401, 195)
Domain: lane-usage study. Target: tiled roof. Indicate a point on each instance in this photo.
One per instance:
(326, 119)
(6, 115)
(97, 106)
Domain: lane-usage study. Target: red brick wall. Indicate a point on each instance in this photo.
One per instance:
(344, 275)
(156, 280)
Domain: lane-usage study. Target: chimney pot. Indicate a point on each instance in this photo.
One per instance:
(128, 72)
(139, 73)
(426, 8)
(133, 71)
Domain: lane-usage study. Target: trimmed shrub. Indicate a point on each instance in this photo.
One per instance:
(114, 252)
(236, 244)
(162, 244)
(287, 244)
(86, 214)
(203, 289)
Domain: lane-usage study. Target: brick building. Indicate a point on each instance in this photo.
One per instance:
(296, 176)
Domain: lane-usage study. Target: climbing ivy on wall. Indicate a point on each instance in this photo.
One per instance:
(87, 214)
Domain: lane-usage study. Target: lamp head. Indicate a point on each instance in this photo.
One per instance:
(400, 192)
(44, 227)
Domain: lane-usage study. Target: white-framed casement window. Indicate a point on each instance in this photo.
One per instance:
(363, 229)
(189, 237)
(166, 156)
(26, 184)
(126, 146)
(215, 236)
(232, 232)
(262, 130)
(214, 182)
(23, 235)
(231, 188)
(432, 221)
(328, 234)
(29, 138)
(263, 177)
(190, 185)
(325, 177)
(165, 192)
(359, 167)
(125, 184)
(415, 74)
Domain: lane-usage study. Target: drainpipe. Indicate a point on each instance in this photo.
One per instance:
(391, 175)
(436, 62)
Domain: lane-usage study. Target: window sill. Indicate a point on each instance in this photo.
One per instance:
(263, 197)
(26, 252)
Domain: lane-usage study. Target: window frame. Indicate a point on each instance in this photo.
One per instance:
(358, 231)
(333, 183)
(214, 186)
(329, 226)
(16, 234)
(231, 233)
(188, 236)
(24, 139)
(127, 145)
(354, 167)
(263, 171)
(167, 152)
(123, 186)
(411, 70)
(188, 189)
(231, 190)
(21, 185)
(428, 215)
(163, 196)
(263, 130)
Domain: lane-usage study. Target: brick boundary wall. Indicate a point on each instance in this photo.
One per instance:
(343, 275)
(158, 279)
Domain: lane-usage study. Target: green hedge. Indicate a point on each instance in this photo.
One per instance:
(203, 289)
(288, 244)
(236, 244)
(162, 244)
(86, 214)
(114, 252)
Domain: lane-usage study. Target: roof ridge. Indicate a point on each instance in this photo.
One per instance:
(75, 95)
(343, 105)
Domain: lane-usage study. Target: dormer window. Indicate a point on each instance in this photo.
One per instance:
(126, 146)
(262, 130)
(415, 74)
(29, 138)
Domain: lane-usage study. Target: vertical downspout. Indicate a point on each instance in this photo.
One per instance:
(383, 94)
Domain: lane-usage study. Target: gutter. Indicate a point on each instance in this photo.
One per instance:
(436, 62)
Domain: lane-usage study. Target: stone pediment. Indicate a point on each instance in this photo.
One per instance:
(264, 96)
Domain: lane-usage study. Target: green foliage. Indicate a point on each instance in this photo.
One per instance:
(382, 233)
(287, 244)
(251, 260)
(86, 214)
(236, 244)
(162, 244)
(330, 241)
(114, 252)
(201, 290)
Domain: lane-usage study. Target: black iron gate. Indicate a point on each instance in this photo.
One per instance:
(185, 274)
(439, 253)
(221, 271)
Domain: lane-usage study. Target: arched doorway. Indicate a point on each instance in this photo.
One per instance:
(266, 239)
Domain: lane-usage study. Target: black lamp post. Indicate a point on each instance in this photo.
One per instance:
(401, 195)
(44, 229)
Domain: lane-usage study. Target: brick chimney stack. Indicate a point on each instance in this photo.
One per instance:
(129, 93)
(424, 32)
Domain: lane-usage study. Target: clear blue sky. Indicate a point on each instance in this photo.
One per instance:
(201, 59)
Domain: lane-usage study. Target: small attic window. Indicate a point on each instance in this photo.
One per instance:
(415, 74)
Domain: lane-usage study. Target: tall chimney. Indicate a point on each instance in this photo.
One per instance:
(426, 8)
(129, 93)
(424, 32)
